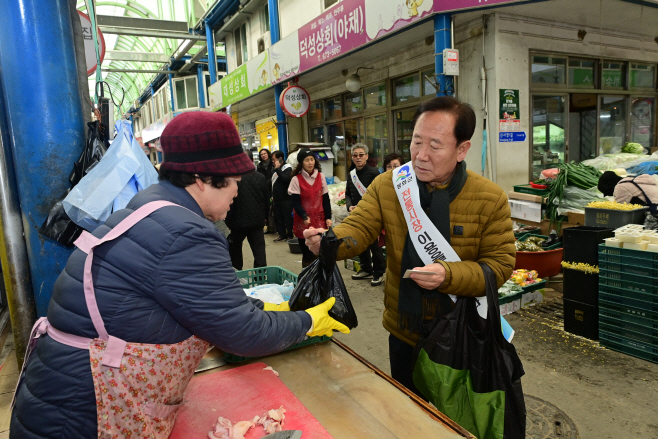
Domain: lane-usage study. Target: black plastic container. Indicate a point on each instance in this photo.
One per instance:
(581, 244)
(580, 286)
(581, 319)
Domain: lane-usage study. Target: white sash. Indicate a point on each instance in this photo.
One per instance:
(359, 186)
(429, 243)
(275, 175)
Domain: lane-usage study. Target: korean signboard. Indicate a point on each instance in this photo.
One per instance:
(295, 101)
(258, 72)
(234, 86)
(284, 58)
(384, 16)
(339, 30)
(90, 47)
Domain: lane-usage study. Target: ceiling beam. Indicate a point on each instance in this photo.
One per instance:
(195, 58)
(142, 23)
(138, 71)
(124, 55)
(137, 32)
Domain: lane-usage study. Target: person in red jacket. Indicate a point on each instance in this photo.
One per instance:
(310, 200)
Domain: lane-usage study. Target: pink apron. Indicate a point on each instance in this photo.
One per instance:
(139, 387)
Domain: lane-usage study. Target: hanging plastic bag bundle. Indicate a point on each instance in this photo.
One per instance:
(122, 172)
(58, 226)
(321, 280)
(466, 368)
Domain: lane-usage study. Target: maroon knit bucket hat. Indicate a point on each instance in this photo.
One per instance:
(205, 143)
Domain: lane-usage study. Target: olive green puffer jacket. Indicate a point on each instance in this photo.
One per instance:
(482, 210)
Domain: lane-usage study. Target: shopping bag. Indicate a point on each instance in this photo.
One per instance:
(322, 280)
(58, 226)
(123, 171)
(466, 368)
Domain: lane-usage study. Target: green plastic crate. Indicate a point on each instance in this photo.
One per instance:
(623, 324)
(647, 339)
(627, 285)
(629, 260)
(642, 254)
(636, 295)
(628, 315)
(269, 275)
(628, 346)
(518, 235)
(628, 277)
(534, 287)
(527, 189)
(629, 266)
(633, 302)
(550, 247)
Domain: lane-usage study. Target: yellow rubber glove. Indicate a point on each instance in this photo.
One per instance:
(322, 323)
(283, 306)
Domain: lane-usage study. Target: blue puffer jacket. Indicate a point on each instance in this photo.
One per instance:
(165, 279)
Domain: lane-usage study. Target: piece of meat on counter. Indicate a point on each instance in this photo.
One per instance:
(272, 421)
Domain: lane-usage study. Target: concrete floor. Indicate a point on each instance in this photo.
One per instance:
(607, 394)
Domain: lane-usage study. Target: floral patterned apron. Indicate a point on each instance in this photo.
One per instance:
(139, 387)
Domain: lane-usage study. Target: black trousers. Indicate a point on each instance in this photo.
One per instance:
(375, 265)
(256, 241)
(401, 356)
(283, 218)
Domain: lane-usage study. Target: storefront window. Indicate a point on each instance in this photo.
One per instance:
(375, 96)
(404, 131)
(428, 87)
(332, 108)
(612, 121)
(376, 137)
(336, 136)
(582, 73)
(315, 112)
(353, 103)
(613, 75)
(642, 121)
(548, 132)
(582, 126)
(643, 76)
(407, 88)
(317, 134)
(548, 69)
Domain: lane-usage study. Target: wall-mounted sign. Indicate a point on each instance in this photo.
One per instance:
(90, 48)
(514, 136)
(510, 111)
(295, 101)
(384, 16)
(284, 58)
(258, 72)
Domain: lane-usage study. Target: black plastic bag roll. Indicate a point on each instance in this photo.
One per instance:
(320, 281)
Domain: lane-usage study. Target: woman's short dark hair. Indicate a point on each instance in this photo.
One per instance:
(269, 154)
(464, 114)
(392, 156)
(185, 179)
(300, 166)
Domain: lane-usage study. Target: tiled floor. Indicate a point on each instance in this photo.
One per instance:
(8, 379)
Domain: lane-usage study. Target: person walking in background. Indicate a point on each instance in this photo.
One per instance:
(392, 161)
(247, 218)
(281, 204)
(372, 267)
(266, 168)
(310, 200)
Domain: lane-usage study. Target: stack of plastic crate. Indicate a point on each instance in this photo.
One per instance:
(628, 301)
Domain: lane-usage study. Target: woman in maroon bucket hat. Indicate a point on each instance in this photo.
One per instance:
(143, 296)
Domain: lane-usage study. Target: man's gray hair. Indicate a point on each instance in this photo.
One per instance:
(362, 146)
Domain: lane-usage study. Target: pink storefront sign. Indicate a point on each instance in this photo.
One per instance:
(456, 5)
(337, 31)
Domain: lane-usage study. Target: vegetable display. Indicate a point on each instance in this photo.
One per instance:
(632, 148)
(571, 174)
(580, 266)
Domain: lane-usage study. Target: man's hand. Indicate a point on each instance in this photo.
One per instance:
(277, 163)
(313, 238)
(352, 208)
(307, 221)
(328, 223)
(428, 281)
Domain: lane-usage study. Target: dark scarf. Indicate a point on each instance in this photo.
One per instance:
(416, 304)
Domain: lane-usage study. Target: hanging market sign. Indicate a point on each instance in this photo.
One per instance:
(346, 26)
(295, 101)
(90, 47)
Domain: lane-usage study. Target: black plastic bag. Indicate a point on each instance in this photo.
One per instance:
(58, 226)
(93, 152)
(320, 281)
(467, 369)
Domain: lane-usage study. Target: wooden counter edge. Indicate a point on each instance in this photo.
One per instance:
(425, 406)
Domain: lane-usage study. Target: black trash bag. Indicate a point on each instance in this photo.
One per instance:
(58, 226)
(93, 152)
(320, 281)
(467, 369)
